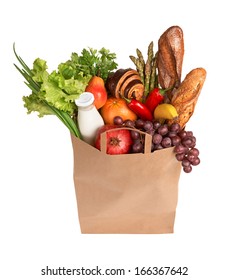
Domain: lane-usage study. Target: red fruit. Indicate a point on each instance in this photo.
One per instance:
(97, 87)
(118, 141)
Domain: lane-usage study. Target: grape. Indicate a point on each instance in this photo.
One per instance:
(193, 144)
(156, 124)
(186, 162)
(139, 123)
(187, 142)
(196, 161)
(157, 138)
(190, 157)
(179, 149)
(182, 134)
(175, 127)
(151, 132)
(194, 139)
(180, 157)
(158, 147)
(135, 135)
(163, 129)
(187, 169)
(148, 125)
(129, 123)
(118, 120)
(137, 141)
(189, 133)
(137, 147)
(166, 142)
(164, 136)
(172, 134)
(175, 140)
(194, 152)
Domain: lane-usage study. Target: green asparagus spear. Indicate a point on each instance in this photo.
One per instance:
(153, 78)
(139, 67)
(148, 68)
(140, 57)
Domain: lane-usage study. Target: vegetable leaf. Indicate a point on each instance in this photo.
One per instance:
(56, 92)
(96, 63)
(33, 103)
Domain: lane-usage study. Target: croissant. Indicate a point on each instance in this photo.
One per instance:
(125, 83)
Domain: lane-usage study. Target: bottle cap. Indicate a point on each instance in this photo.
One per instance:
(85, 99)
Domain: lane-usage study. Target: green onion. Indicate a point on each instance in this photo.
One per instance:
(35, 87)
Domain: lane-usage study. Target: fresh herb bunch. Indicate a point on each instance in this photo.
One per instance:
(92, 62)
(56, 92)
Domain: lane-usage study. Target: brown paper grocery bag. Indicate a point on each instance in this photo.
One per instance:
(130, 193)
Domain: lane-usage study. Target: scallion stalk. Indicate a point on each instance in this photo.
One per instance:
(35, 87)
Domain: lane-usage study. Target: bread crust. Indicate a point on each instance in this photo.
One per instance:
(187, 94)
(170, 58)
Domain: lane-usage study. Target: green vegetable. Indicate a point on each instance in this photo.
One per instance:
(55, 88)
(96, 63)
(56, 92)
(148, 68)
(41, 105)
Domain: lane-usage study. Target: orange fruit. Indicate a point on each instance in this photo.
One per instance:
(116, 107)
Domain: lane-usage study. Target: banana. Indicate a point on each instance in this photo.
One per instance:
(165, 111)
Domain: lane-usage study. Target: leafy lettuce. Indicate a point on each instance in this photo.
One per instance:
(60, 88)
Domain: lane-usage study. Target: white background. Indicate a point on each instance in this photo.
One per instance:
(39, 224)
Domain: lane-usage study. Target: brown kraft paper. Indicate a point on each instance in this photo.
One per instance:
(130, 193)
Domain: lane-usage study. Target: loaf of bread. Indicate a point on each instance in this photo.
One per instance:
(187, 94)
(170, 58)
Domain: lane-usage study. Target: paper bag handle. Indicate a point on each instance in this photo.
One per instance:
(147, 142)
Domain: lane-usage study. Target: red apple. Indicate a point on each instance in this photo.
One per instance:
(118, 141)
(97, 87)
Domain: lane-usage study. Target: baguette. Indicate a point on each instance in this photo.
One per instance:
(187, 94)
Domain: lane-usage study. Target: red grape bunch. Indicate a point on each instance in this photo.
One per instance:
(164, 136)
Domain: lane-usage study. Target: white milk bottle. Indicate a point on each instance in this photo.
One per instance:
(89, 119)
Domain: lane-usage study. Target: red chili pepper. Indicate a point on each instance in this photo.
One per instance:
(155, 97)
(139, 109)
